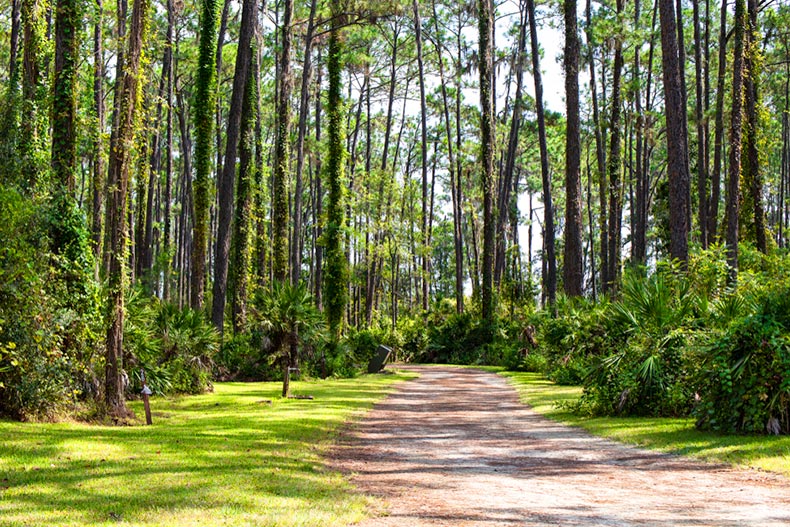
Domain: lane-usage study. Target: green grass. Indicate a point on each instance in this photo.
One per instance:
(665, 434)
(226, 458)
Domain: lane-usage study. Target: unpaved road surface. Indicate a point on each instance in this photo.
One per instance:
(456, 448)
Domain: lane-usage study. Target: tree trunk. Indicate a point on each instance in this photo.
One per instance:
(452, 169)
(243, 211)
(64, 104)
(485, 57)
(702, 145)
(13, 52)
(223, 26)
(675, 115)
(119, 164)
(168, 198)
(304, 104)
(600, 151)
(638, 238)
(751, 169)
(732, 211)
(510, 158)
(550, 277)
(335, 272)
(98, 150)
(423, 154)
(249, 18)
(205, 97)
(614, 168)
(146, 251)
(319, 195)
(31, 42)
(282, 154)
(573, 271)
(718, 147)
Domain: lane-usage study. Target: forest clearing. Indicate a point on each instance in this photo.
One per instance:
(450, 447)
(202, 198)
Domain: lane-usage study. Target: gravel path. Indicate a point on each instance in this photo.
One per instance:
(455, 447)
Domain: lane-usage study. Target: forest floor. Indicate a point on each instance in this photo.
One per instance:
(455, 447)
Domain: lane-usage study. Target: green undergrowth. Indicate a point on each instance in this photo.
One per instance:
(238, 456)
(675, 435)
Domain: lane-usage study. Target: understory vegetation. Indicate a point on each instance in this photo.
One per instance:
(204, 191)
(679, 344)
(677, 435)
(673, 344)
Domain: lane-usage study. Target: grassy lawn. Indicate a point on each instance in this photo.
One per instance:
(665, 434)
(226, 458)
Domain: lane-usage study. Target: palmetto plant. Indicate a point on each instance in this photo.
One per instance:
(654, 315)
(174, 346)
(290, 318)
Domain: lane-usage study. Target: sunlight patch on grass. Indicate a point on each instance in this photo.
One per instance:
(238, 456)
(673, 435)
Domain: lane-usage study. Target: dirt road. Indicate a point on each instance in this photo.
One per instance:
(455, 447)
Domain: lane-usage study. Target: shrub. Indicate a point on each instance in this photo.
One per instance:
(744, 381)
(647, 374)
(572, 340)
(49, 311)
(175, 347)
(460, 339)
(413, 340)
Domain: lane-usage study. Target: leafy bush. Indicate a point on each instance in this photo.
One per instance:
(49, 310)
(744, 380)
(570, 341)
(363, 344)
(174, 347)
(647, 374)
(533, 363)
(412, 339)
(460, 339)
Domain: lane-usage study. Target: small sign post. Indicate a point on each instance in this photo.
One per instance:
(146, 392)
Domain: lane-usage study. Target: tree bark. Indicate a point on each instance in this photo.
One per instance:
(452, 169)
(282, 153)
(64, 104)
(243, 210)
(675, 115)
(732, 211)
(335, 272)
(573, 271)
(31, 41)
(614, 167)
(249, 18)
(718, 147)
(98, 108)
(702, 145)
(168, 198)
(600, 151)
(205, 97)
(485, 66)
(304, 104)
(319, 195)
(506, 185)
(119, 165)
(751, 170)
(550, 277)
(425, 257)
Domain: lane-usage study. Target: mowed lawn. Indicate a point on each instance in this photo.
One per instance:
(238, 456)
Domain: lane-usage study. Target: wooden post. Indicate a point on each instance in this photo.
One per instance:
(146, 392)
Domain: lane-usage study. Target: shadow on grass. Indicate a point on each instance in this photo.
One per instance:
(231, 456)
